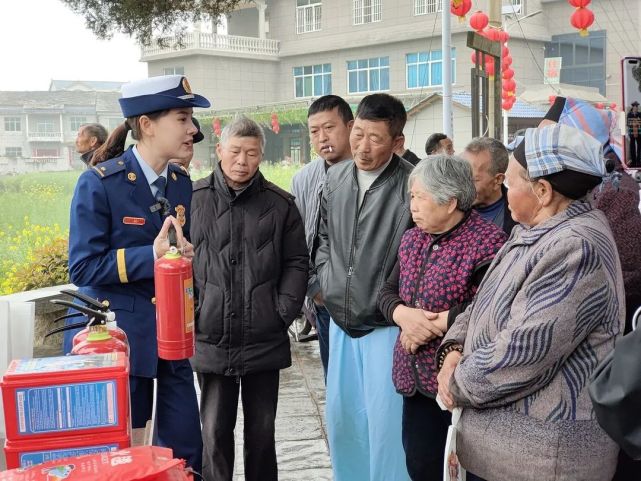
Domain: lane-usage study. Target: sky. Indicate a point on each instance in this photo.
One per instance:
(42, 40)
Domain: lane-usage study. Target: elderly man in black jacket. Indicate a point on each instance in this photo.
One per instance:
(365, 209)
(250, 270)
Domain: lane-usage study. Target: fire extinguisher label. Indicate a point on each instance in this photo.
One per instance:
(67, 407)
(39, 457)
(189, 305)
(64, 363)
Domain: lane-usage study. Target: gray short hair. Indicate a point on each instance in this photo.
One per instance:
(446, 177)
(499, 155)
(243, 126)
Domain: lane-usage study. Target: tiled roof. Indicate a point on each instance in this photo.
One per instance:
(61, 100)
(85, 85)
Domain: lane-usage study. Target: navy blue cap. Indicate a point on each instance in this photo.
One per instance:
(158, 93)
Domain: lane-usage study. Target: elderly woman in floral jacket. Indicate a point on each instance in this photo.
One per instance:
(550, 308)
(440, 264)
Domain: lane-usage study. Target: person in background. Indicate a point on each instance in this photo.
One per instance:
(364, 213)
(89, 138)
(186, 162)
(407, 154)
(329, 120)
(549, 310)
(633, 121)
(439, 144)
(441, 262)
(489, 158)
(118, 228)
(250, 277)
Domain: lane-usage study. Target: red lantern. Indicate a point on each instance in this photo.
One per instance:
(505, 51)
(509, 85)
(479, 21)
(613, 106)
(507, 60)
(579, 3)
(599, 105)
(503, 36)
(508, 73)
(489, 65)
(460, 8)
(582, 18)
(275, 124)
(552, 99)
(216, 126)
(473, 57)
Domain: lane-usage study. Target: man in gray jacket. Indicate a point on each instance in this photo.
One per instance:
(364, 212)
(329, 120)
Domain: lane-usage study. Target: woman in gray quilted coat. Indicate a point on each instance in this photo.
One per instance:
(549, 309)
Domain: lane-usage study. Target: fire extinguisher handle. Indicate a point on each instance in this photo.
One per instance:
(83, 309)
(173, 236)
(90, 301)
(68, 327)
(68, 316)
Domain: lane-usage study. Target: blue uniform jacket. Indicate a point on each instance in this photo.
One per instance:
(111, 235)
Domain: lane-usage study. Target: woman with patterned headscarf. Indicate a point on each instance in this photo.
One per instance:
(549, 309)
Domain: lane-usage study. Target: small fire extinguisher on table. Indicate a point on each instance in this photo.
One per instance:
(174, 303)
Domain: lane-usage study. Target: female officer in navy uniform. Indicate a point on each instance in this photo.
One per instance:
(117, 231)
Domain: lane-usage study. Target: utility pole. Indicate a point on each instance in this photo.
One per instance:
(496, 21)
(446, 49)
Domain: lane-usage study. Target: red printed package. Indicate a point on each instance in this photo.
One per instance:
(142, 463)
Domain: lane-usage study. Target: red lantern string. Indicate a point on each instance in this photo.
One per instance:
(479, 20)
(275, 124)
(582, 19)
(460, 8)
(216, 126)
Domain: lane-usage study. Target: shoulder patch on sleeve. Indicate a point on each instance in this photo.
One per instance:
(109, 167)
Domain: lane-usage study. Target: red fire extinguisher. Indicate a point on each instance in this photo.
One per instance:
(97, 337)
(174, 304)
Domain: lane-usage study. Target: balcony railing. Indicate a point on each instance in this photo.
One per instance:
(216, 43)
(45, 136)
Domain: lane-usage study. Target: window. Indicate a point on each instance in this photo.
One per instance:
(13, 151)
(313, 80)
(46, 153)
(45, 125)
(425, 69)
(367, 11)
(368, 75)
(76, 122)
(12, 124)
(512, 7)
(583, 58)
(422, 7)
(308, 16)
(174, 71)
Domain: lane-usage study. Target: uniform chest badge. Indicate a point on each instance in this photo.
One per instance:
(131, 176)
(180, 214)
(133, 220)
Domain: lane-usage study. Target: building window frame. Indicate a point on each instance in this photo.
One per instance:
(368, 71)
(308, 77)
(13, 123)
(422, 66)
(513, 7)
(173, 70)
(367, 11)
(308, 16)
(425, 7)
(76, 121)
(13, 152)
(45, 125)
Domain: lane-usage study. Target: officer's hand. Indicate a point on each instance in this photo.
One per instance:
(161, 243)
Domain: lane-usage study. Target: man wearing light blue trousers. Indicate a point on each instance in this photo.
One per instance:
(364, 213)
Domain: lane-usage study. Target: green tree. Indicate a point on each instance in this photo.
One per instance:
(147, 19)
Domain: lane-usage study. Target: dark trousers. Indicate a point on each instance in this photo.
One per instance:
(218, 408)
(424, 433)
(177, 420)
(322, 329)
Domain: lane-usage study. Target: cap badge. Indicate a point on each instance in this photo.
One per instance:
(186, 85)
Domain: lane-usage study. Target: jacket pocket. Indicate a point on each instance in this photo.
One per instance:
(210, 319)
(265, 318)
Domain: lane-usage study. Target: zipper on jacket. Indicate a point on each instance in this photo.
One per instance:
(350, 264)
